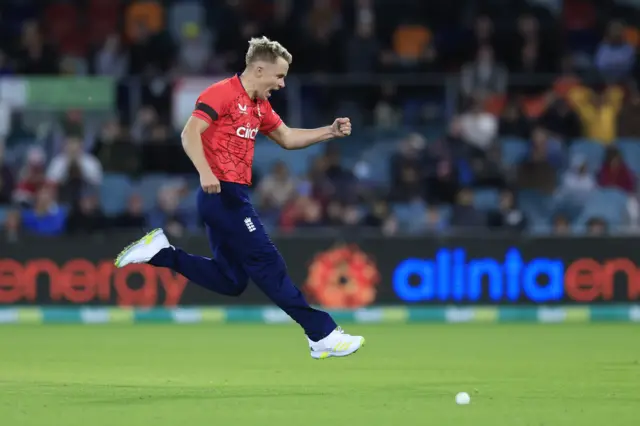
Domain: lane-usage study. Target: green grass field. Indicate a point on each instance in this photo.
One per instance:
(244, 375)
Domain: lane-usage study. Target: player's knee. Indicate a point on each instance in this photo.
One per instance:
(265, 265)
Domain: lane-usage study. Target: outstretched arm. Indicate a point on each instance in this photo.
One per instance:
(289, 138)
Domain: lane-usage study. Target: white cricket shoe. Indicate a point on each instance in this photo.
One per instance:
(144, 249)
(338, 343)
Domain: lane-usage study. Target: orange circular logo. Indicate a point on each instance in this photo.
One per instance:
(342, 277)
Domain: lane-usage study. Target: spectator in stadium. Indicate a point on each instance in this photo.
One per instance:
(443, 184)
(353, 215)
(339, 176)
(484, 76)
(410, 152)
(598, 111)
(539, 168)
(321, 40)
(407, 168)
(151, 50)
(478, 128)
(410, 184)
(597, 226)
(513, 121)
(316, 184)
(560, 120)
(301, 212)
(545, 147)
(576, 186)
(508, 216)
(72, 124)
(482, 34)
(276, 189)
(380, 217)
(161, 153)
(310, 213)
(561, 225)
(615, 173)
(453, 146)
(74, 170)
(464, 216)
(615, 58)
(532, 48)
(431, 222)
(146, 120)
(149, 13)
(7, 182)
(194, 53)
(12, 226)
(35, 56)
(168, 213)
(387, 113)
(115, 151)
(335, 213)
(486, 171)
(628, 122)
(86, 216)
(528, 67)
(46, 217)
(363, 50)
(31, 177)
(134, 216)
(112, 59)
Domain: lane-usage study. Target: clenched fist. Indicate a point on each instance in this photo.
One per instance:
(210, 183)
(341, 127)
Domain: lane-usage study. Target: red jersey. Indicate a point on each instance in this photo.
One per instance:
(234, 121)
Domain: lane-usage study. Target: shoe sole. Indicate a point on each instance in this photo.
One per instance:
(146, 239)
(325, 355)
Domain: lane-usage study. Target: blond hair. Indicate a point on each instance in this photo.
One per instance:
(263, 49)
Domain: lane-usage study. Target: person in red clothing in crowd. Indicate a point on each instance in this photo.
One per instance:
(31, 178)
(615, 173)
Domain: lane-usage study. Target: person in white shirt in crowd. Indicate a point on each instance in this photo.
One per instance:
(484, 76)
(478, 128)
(73, 170)
(577, 184)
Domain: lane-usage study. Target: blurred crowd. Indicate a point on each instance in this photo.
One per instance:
(543, 136)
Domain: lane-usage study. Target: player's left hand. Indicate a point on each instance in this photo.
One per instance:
(341, 127)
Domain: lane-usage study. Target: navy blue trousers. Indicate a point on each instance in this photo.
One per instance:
(242, 250)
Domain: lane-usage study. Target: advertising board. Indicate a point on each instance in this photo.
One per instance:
(341, 274)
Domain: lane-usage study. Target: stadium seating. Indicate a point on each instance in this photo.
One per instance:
(486, 199)
(537, 206)
(513, 151)
(372, 153)
(593, 151)
(606, 203)
(630, 149)
(114, 193)
(148, 188)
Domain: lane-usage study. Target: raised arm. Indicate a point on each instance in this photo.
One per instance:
(289, 138)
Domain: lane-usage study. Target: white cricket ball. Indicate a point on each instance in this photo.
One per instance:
(463, 398)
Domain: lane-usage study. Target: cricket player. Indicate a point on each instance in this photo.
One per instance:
(219, 138)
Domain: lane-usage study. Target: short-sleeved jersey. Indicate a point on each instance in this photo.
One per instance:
(234, 121)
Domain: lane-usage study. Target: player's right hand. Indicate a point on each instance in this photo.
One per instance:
(210, 183)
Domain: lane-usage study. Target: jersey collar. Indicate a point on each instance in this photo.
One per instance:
(240, 86)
